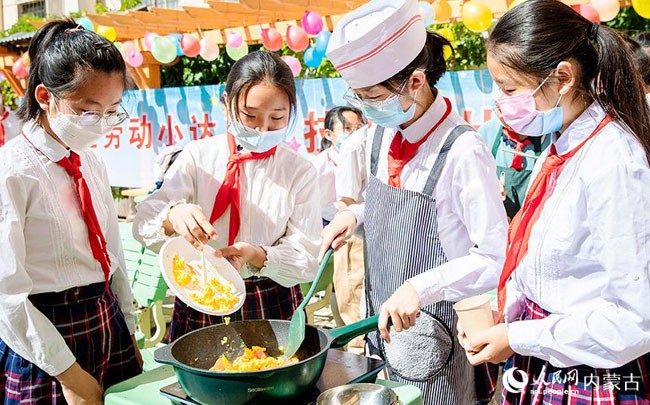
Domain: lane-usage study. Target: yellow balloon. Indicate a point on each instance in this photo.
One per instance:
(26, 59)
(642, 8)
(442, 10)
(477, 16)
(515, 3)
(107, 32)
(447, 33)
(446, 52)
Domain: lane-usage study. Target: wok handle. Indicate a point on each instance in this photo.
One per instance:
(345, 334)
(164, 355)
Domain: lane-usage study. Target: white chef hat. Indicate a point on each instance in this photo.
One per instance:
(376, 41)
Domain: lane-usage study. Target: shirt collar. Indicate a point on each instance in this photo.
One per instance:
(580, 129)
(417, 130)
(43, 142)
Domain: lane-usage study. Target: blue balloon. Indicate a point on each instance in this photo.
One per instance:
(322, 40)
(312, 58)
(85, 23)
(176, 39)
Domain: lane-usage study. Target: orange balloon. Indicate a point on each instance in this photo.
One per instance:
(442, 10)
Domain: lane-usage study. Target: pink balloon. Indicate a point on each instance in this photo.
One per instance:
(297, 38)
(294, 64)
(235, 40)
(312, 22)
(272, 39)
(19, 69)
(190, 45)
(148, 39)
(587, 12)
(134, 59)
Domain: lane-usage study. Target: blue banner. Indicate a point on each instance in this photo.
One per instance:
(175, 116)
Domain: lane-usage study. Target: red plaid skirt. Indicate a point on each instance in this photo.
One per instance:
(578, 385)
(265, 299)
(91, 322)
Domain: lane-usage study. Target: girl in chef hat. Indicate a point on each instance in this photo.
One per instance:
(433, 218)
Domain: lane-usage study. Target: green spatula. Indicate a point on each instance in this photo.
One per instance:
(298, 320)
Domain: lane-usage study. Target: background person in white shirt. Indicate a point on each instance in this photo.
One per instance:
(433, 219)
(576, 281)
(64, 336)
(247, 194)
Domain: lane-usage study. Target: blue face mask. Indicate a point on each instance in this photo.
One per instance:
(389, 115)
(340, 139)
(257, 141)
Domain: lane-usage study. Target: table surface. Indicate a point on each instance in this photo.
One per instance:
(145, 389)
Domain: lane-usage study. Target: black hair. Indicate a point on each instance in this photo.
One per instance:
(431, 60)
(534, 37)
(336, 115)
(61, 55)
(255, 68)
(642, 59)
(643, 38)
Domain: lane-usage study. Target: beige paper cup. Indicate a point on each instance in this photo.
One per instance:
(474, 314)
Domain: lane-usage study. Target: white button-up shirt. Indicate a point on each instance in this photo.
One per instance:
(280, 206)
(588, 261)
(326, 163)
(44, 245)
(351, 170)
(472, 223)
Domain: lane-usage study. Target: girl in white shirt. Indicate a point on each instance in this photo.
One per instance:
(340, 122)
(246, 193)
(575, 288)
(64, 334)
(433, 219)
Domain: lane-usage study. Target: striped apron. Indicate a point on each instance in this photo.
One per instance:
(577, 385)
(93, 326)
(402, 241)
(265, 299)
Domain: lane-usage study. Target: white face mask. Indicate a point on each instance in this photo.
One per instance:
(76, 136)
(258, 141)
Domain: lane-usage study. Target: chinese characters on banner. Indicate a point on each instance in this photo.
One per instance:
(175, 116)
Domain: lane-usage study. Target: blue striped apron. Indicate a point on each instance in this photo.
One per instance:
(402, 241)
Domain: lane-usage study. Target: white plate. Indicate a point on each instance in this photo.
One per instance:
(224, 272)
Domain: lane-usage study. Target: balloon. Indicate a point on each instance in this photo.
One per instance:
(209, 49)
(312, 22)
(587, 12)
(85, 23)
(19, 69)
(176, 40)
(134, 59)
(447, 33)
(447, 52)
(294, 64)
(442, 11)
(163, 49)
(272, 39)
(190, 45)
(477, 16)
(322, 40)
(26, 59)
(642, 7)
(427, 13)
(515, 3)
(607, 9)
(297, 38)
(237, 53)
(148, 39)
(312, 58)
(235, 40)
(127, 48)
(107, 32)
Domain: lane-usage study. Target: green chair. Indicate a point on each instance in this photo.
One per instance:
(323, 293)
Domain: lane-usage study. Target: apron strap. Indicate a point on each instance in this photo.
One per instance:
(434, 176)
(497, 142)
(376, 148)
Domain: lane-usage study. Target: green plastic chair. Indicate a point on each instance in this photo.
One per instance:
(323, 293)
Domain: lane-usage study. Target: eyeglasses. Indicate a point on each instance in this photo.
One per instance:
(90, 118)
(351, 97)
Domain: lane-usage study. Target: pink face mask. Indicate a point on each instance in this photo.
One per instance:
(520, 113)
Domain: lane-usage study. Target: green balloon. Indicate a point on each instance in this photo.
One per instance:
(163, 49)
(237, 53)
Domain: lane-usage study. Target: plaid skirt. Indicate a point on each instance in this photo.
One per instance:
(265, 299)
(93, 326)
(578, 385)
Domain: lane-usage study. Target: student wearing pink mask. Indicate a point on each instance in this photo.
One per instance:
(575, 287)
